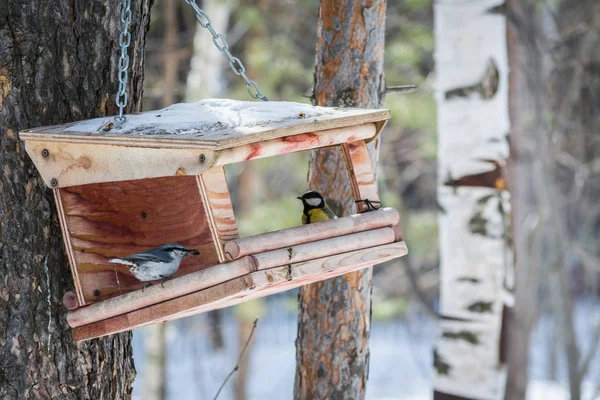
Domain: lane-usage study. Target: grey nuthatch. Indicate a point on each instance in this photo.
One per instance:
(158, 263)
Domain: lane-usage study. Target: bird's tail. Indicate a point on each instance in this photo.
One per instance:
(121, 261)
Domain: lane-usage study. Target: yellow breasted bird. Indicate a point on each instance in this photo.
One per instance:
(315, 208)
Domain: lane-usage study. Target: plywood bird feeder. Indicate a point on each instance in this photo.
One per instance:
(160, 179)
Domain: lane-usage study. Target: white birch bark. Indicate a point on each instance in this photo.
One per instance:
(476, 260)
(206, 77)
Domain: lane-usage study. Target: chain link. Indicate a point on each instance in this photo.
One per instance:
(221, 44)
(218, 39)
(124, 42)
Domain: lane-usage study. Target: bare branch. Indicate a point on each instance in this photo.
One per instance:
(402, 89)
(585, 365)
(237, 366)
(589, 260)
(412, 277)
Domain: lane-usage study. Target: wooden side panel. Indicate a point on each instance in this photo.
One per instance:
(217, 201)
(68, 246)
(360, 168)
(71, 164)
(116, 219)
(254, 285)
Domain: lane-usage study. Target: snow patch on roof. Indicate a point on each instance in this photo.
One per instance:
(206, 116)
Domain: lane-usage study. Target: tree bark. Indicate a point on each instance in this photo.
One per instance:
(58, 63)
(553, 97)
(526, 126)
(476, 259)
(334, 320)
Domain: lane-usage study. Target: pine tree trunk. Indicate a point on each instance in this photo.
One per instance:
(334, 321)
(58, 63)
(476, 259)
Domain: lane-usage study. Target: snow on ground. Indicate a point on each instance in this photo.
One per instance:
(400, 366)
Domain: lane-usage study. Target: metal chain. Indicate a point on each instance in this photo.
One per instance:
(221, 44)
(124, 41)
(218, 39)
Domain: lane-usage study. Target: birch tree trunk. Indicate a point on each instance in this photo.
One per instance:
(205, 79)
(58, 63)
(334, 321)
(476, 255)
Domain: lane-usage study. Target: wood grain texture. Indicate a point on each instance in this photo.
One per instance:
(362, 178)
(118, 219)
(217, 202)
(64, 164)
(310, 233)
(325, 247)
(254, 285)
(291, 144)
(72, 164)
(70, 301)
(68, 246)
(199, 138)
(277, 280)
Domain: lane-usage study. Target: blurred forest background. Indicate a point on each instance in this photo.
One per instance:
(190, 358)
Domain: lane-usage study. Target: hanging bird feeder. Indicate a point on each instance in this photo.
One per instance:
(140, 181)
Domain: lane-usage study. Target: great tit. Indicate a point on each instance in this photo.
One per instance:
(315, 208)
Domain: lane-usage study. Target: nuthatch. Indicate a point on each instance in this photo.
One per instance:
(159, 263)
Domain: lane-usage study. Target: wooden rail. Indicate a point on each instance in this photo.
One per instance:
(335, 243)
(309, 233)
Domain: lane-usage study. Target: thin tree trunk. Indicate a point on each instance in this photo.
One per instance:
(526, 126)
(155, 343)
(155, 375)
(58, 63)
(205, 79)
(245, 327)
(476, 258)
(334, 320)
(171, 60)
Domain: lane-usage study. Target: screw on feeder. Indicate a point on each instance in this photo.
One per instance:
(54, 182)
(45, 153)
(202, 158)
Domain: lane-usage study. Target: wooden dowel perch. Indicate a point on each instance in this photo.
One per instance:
(323, 248)
(70, 301)
(155, 294)
(251, 286)
(220, 273)
(309, 233)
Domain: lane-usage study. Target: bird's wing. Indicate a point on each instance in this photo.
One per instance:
(329, 213)
(150, 256)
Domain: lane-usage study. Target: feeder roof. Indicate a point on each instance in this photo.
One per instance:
(214, 124)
